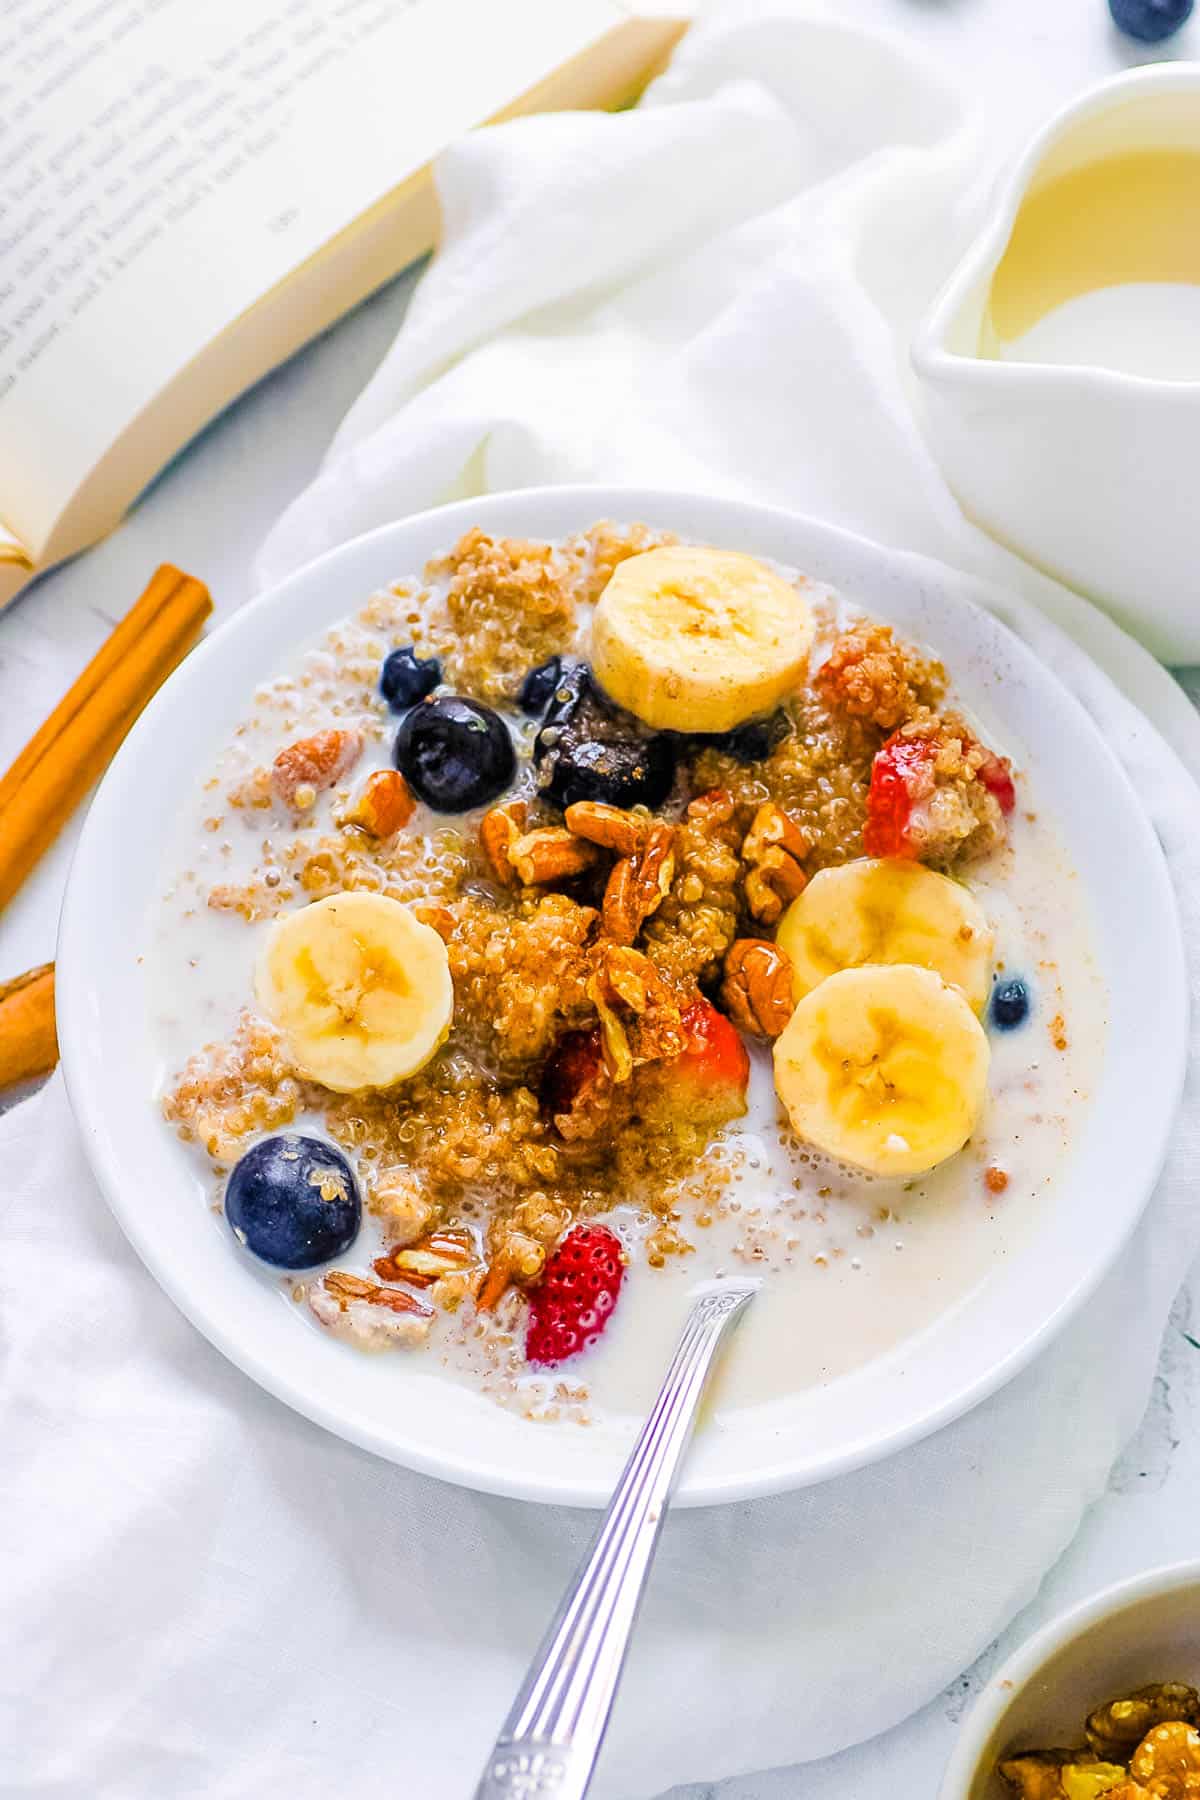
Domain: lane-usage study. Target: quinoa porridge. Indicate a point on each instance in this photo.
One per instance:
(577, 920)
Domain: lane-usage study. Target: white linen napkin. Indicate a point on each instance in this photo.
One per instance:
(204, 1594)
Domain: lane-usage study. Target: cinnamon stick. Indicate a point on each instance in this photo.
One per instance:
(28, 1043)
(66, 755)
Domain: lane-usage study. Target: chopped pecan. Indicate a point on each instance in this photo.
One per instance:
(625, 980)
(618, 1056)
(439, 919)
(302, 770)
(494, 1286)
(345, 1288)
(421, 1264)
(772, 826)
(639, 884)
(757, 988)
(612, 827)
(382, 805)
(773, 851)
(368, 1316)
(550, 854)
(518, 1259)
(499, 830)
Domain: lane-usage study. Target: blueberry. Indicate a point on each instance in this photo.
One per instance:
(538, 686)
(293, 1201)
(1150, 20)
(406, 677)
(589, 749)
(1010, 1004)
(749, 743)
(454, 754)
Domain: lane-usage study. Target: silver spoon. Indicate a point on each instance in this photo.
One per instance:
(549, 1743)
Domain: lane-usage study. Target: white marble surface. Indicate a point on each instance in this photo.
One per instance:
(208, 513)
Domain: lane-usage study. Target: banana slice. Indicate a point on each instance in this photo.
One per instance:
(883, 910)
(361, 990)
(884, 1068)
(699, 640)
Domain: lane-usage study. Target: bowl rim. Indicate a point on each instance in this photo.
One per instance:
(1019, 1669)
(930, 358)
(777, 1470)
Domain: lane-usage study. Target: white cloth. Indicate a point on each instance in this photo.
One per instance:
(203, 1594)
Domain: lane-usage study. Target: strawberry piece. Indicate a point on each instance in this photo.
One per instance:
(902, 777)
(576, 1087)
(574, 1300)
(715, 1061)
(706, 1084)
(995, 772)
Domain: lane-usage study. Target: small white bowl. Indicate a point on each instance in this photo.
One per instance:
(1140, 1631)
(398, 1407)
(1086, 471)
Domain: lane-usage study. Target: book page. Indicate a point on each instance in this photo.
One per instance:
(165, 163)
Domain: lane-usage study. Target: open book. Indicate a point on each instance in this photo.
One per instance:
(191, 189)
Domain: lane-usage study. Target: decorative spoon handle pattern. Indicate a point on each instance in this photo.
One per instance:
(549, 1743)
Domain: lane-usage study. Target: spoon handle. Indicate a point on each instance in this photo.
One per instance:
(549, 1743)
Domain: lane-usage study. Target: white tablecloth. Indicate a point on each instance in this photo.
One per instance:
(187, 1642)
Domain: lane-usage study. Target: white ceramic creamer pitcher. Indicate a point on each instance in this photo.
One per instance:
(1061, 364)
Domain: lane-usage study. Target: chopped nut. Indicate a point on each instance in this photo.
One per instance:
(1038, 1774)
(773, 826)
(1099, 1781)
(624, 978)
(1167, 1761)
(352, 1287)
(611, 827)
(383, 805)
(518, 1259)
(757, 989)
(995, 1180)
(773, 850)
(304, 769)
(638, 885)
(442, 1253)
(369, 1316)
(499, 830)
(439, 919)
(618, 1056)
(550, 854)
(773, 884)
(1120, 1725)
(494, 1286)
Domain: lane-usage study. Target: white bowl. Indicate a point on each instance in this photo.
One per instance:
(387, 1403)
(1088, 472)
(1141, 1631)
